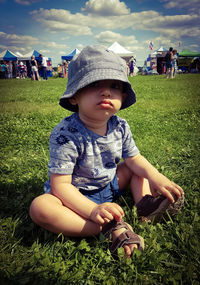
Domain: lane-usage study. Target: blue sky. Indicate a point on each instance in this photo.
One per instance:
(56, 28)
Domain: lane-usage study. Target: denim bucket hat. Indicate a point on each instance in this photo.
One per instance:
(96, 63)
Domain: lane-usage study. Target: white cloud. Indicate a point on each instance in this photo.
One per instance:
(26, 2)
(64, 38)
(58, 20)
(44, 51)
(72, 29)
(170, 29)
(192, 5)
(14, 48)
(54, 45)
(108, 37)
(62, 52)
(106, 7)
(173, 27)
(24, 43)
(13, 39)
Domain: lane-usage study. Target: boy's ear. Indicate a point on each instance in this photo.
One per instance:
(73, 100)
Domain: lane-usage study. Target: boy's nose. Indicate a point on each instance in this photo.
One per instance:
(105, 91)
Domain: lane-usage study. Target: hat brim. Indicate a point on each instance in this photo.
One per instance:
(92, 76)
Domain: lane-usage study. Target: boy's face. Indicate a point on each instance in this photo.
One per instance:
(100, 99)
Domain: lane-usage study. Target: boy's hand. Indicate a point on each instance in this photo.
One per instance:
(106, 212)
(160, 184)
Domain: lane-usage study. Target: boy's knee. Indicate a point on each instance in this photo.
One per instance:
(38, 210)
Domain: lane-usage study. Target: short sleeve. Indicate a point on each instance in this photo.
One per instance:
(63, 153)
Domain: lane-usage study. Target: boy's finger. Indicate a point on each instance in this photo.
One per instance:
(117, 215)
(175, 190)
(100, 220)
(179, 188)
(167, 194)
(119, 209)
(106, 214)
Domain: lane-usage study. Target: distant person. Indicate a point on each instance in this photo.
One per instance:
(60, 70)
(10, 70)
(3, 70)
(168, 60)
(174, 63)
(22, 70)
(85, 172)
(132, 66)
(44, 66)
(34, 69)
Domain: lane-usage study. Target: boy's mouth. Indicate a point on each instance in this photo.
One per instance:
(105, 103)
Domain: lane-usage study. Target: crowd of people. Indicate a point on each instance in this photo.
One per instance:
(37, 69)
(22, 69)
(12, 69)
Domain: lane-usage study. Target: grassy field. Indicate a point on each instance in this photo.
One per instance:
(165, 123)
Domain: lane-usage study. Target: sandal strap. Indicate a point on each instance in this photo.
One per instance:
(125, 238)
(113, 226)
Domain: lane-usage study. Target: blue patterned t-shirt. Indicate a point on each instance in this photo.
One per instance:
(91, 159)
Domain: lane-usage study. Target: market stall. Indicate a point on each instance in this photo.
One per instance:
(8, 68)
(189, 61)
(27, 58)
(127, 55)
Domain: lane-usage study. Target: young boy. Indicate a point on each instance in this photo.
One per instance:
(85, 171)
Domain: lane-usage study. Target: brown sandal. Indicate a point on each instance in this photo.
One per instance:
(125, 238)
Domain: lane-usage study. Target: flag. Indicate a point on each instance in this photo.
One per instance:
(151, 45)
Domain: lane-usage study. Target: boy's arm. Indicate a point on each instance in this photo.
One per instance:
(71, 197)
(158, 182)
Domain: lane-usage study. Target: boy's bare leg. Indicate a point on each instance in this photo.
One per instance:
(139, 186)
(48, 212)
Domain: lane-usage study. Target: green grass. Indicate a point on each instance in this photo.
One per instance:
(165, 123)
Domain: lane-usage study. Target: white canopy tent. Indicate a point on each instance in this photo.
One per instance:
(120, 50)
(127, 55)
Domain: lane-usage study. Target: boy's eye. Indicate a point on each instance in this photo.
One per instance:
(93, 84)
(116, 85)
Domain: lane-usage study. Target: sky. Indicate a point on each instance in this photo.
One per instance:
(56, 28)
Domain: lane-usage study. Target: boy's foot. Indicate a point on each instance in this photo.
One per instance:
(150, 208)
(122, 235)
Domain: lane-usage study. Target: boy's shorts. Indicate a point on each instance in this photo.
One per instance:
(109, 193)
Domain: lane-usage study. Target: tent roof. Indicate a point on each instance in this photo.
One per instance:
(188, 53)
(162, 49)
(71, 55)
(120, 50)
(8, 55)
(18, 54)
(28, 55)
